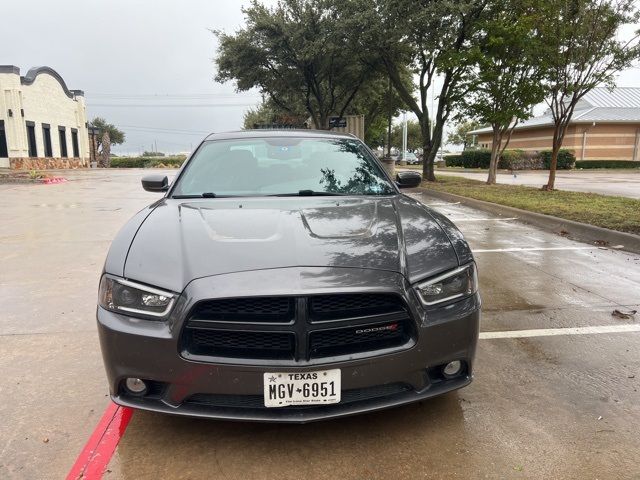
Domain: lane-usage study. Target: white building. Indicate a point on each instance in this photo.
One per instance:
(43, 124)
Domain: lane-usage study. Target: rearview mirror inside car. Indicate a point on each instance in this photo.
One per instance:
(408, 179)
(155, 183)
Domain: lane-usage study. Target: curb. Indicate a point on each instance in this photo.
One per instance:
(576, 230)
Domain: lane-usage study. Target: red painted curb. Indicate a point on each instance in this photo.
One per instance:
(97, 452)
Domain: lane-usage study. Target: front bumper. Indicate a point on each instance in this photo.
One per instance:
(151, 350)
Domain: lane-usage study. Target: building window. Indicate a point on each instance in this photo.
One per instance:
(46, 139)
(4, 151)
(63, 142)
(74, 142)
(31, 139)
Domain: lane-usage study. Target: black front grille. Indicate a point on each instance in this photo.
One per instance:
(342, 341)
(257, 401)
(240, 344)
(334, 307)
(296, 328)
(250, 309)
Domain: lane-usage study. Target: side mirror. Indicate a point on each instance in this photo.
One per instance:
(155, 183)
(408, 179)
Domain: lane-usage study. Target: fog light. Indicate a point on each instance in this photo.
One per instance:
(452, 369)
(135, 386)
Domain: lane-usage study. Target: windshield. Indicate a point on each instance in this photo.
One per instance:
(282, 166)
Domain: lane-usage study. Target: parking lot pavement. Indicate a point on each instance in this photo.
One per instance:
(623, 183)
(549, 400)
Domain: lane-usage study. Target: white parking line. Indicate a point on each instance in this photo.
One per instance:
(446, 204)
(549, 332)
(529, 249)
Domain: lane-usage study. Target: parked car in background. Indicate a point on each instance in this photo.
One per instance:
(283, 276)
(412, 158)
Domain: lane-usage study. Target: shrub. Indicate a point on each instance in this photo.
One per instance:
(526, 161)
(566, 159)
(453, 160)
(477, 158)
(142, 162)
(607, 164)
(511, 159)
(481, 158)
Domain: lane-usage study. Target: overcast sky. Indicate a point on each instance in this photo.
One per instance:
(155, 57)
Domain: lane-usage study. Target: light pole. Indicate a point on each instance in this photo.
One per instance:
(404, 137)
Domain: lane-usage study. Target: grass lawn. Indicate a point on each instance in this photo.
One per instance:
(616, 213)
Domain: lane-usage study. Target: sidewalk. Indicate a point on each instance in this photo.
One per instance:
(623, 183)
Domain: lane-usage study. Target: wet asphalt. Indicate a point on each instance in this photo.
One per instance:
(562, 406)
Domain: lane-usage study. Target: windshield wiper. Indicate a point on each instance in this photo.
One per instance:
(201, 195)
(307, 193)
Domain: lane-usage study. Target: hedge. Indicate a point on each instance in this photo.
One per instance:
(512, 159)
(607, 164)
(566, 159)
(481, 158)
(146, 162)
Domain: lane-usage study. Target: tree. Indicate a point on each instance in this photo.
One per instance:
(268, 113)
(414, 136)
(582, 51)
(507, 81)
(298, 51)
(116, 136)
(434, 38)
(374, 102)
(460, 134)
(105, 155)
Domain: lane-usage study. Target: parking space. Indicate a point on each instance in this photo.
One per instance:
(560, 402)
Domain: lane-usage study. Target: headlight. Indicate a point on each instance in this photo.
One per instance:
(457, 283)
(122, 296)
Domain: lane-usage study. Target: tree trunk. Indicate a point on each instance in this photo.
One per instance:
(495, 154)
(429, 156)
(558, 136)
(428, 152)
(552, 168)
(105, 155)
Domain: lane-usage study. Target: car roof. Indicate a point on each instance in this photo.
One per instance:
(265, 133)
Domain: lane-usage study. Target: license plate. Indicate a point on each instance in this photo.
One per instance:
(308, 388)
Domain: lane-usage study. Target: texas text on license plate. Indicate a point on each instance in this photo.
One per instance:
(302, 388)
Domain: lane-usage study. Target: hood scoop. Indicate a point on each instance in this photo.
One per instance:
(240, 225)
(341, 222)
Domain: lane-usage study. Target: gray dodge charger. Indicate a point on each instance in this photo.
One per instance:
(284, 277)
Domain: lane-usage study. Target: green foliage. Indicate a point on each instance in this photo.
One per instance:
(477, 158)
(434, 39)
(268, 113)
(453, 160)
(153, 154)
(297, 54)
(582, 50)
(459, 135)
(566, 159)
(374, 102)
(606, 164)
(116, 136)
(509, 160)
(146, 162)
(506, 83)
(414, 136)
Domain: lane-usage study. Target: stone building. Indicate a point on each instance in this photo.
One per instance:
(605, 126)
(43, 124)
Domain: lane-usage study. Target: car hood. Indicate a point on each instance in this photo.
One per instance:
(181, 240)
